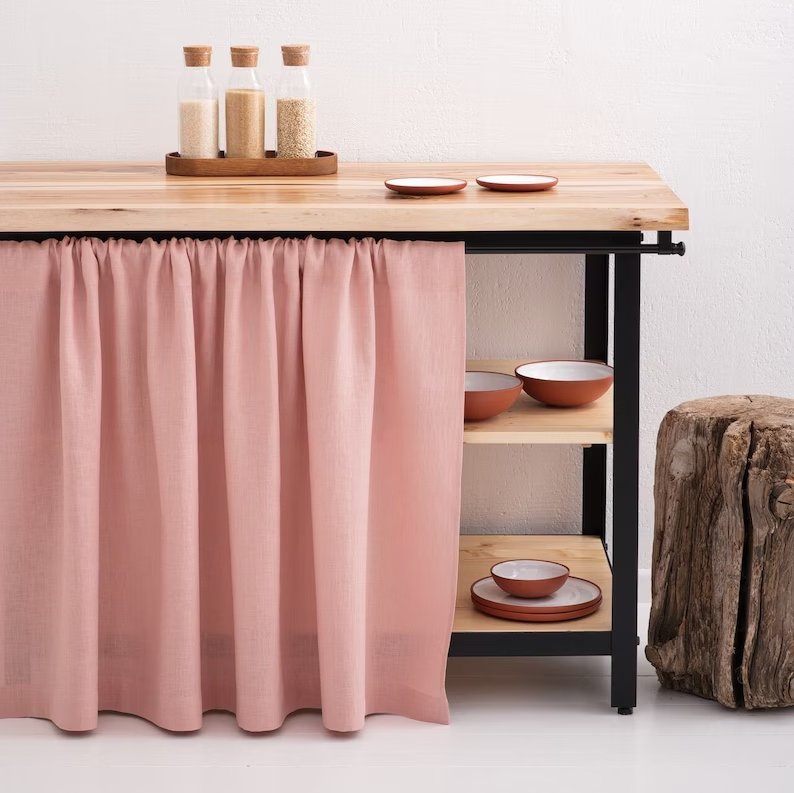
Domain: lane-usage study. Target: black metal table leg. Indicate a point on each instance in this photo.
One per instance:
(596, 347)
(625, 481)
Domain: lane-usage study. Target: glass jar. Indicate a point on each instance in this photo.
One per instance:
(198, 105)
(295, 106)
(245, 106)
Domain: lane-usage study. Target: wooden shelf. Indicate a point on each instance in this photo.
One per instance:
(530, 422)
(123, 196)
(585, 556)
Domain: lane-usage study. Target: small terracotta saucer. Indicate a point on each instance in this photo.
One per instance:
(425, 185)
(532, 617)
(517, 182)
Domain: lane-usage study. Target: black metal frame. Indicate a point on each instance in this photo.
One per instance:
(588, 242)
(621, 642)
(627, 247)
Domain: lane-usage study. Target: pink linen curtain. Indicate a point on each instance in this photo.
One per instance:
(229, 478)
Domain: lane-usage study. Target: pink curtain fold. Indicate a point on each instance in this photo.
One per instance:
(230, 478)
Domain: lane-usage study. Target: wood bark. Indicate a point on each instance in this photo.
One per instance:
(722, 622)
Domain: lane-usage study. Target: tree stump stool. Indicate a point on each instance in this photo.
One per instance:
(722, 618)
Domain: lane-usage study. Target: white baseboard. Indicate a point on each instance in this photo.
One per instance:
(644, 586)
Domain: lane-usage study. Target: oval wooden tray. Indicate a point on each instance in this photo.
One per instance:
(325, 162)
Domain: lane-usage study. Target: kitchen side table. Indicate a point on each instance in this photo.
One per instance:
(599, 210)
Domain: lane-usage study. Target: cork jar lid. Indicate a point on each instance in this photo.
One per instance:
(295, 54)
(197, 55)
(245, 56)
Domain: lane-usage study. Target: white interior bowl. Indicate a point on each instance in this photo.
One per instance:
(490, 381)
(488, 394)
(565, 383)
(529, 578)
(529, 570)
(572, 371)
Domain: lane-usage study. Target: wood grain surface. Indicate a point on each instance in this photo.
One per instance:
(721, 622)
(125, 196)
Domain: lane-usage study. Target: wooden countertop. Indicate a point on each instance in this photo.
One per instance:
(122, 196)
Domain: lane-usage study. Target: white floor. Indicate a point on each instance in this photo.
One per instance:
(540, 724)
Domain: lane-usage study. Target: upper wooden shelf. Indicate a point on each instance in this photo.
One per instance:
(121, 196)
(530, 422)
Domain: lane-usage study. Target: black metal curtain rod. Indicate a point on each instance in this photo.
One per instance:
(477, 242)
(677, 248)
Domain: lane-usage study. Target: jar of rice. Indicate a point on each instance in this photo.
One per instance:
(197, 97)
(295, 106)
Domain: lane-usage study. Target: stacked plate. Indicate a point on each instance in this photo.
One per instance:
(572, 599)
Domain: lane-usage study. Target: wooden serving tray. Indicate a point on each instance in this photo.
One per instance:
(325, 162)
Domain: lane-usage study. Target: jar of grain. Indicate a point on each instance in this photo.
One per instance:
(245, 106)
(198, 105)
(295, 108)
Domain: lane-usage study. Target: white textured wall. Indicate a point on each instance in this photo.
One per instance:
(704, 91)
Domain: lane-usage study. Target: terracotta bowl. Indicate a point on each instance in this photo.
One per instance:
(530, 578)
(489, 394)
(565, 384)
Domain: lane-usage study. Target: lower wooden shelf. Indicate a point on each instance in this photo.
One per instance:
(585, 556)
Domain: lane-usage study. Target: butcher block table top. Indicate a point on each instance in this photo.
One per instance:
(128, 196)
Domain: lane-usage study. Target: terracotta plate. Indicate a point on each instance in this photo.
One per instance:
(426, 185)
(575, 593)
(491, 381)
(517, 182)
(561, 616)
